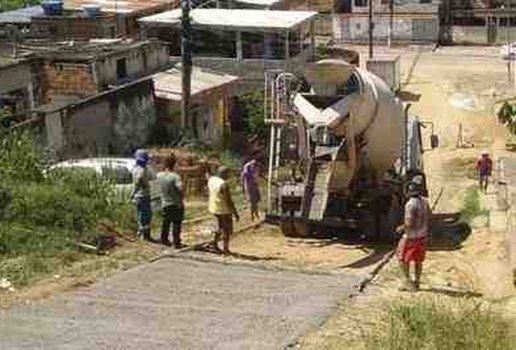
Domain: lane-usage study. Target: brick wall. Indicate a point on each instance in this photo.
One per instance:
(74, 27)
(67, 79)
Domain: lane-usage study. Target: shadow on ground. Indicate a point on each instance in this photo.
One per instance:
(451, 292)
(208, 248)
(448, 232)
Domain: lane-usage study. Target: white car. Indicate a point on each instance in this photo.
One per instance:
(508, 54)
(117, 170)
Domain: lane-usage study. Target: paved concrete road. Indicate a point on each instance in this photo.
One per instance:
(179, 304)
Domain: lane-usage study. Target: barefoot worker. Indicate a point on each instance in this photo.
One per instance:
(412, 246)
(171, 202)
(251, 187)
(221, 205)
(484, 168)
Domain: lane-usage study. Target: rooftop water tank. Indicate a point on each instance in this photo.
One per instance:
(91, 10)
(52, 7)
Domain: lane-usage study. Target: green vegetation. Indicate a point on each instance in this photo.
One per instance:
(471, 207)
(433, 325)
(252, 114)
(507, 116)
(43, 218)
(6, 5)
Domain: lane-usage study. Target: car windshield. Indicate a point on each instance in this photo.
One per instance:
(119, 175)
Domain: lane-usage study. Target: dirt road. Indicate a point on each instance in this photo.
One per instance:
(455, 88)
(179, 304)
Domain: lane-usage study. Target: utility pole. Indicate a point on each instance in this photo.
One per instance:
(186, 62)
(509, 48)
(371, 27)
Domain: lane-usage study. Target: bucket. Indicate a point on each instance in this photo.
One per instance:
(91, 10)
(52, 7)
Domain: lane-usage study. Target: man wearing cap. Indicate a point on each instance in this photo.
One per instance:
(412, 245)
(141, 194)
(484, 168)
(221, 205)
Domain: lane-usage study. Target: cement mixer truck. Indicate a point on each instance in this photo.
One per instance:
(342, 150)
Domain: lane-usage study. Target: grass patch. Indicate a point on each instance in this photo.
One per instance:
(471, 207)
(433, 325)
(42, 218)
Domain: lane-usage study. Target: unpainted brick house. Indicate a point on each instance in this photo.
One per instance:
(87, 69)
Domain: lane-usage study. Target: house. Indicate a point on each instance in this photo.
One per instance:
(126, 13)
(85, 69)
(412, 21)
(114, 122)
(20, 87)
(478, 21)
(20, 17)
(240, 42)
(79, 21)
(211, 99)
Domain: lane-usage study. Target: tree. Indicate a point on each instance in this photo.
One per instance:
(6, 5)
(507, 116)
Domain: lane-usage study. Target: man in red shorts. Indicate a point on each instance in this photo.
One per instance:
(412, 246)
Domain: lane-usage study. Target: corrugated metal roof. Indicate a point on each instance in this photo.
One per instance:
(20, 16)
(262, 3)
(122, 6)
(232, 19)
(167, 84)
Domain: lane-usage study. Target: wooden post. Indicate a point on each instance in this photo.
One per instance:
(186, 62)
(239, 51)
(301, 36)
(312, 39)
(143, 32)
(287, 46)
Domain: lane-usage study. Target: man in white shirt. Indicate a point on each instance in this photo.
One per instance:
(412, 246)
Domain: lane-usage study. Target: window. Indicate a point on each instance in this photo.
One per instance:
(121, 69)
(425, 1)
(361, 3)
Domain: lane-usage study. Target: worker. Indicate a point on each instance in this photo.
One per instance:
(250, 186)
(171, 202)
(412, 245)
(221, 205)
(484, 168)
(141, 194)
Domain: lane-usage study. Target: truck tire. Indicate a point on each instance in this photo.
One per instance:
(294, 228)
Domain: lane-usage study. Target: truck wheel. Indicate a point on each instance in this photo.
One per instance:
(294, 228)
(368, 226)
